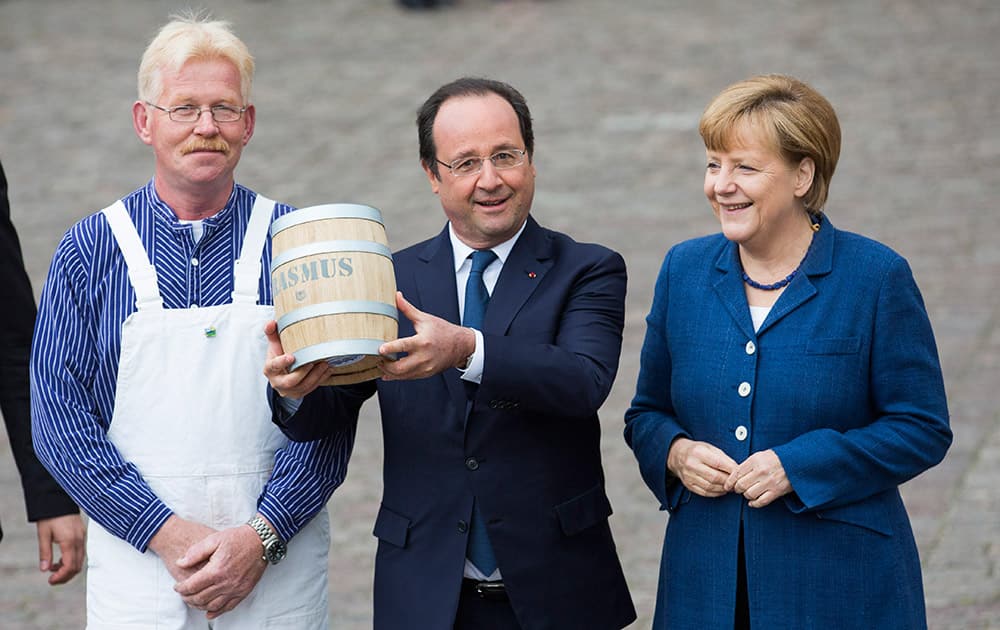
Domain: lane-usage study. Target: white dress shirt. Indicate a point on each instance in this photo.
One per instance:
(463, 264)
(474, 370)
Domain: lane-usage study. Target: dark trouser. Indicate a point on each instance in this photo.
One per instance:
(742, 621)
(486, 610)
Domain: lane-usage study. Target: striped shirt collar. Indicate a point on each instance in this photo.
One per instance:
(164, 212)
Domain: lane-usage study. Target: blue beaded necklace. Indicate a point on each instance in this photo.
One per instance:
(784, 281)
(774, 286)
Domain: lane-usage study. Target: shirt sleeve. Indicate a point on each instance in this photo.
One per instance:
(474, 371)
(305, 476)
(69, 432)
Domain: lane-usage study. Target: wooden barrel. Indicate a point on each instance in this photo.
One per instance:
(334, 288)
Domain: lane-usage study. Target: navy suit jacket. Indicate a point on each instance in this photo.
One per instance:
(525, 442)
(843, 382)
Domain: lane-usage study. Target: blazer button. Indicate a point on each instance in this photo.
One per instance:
(751, 347)
(744, 389)
(741, 433)
(472, 463)
(463, 527)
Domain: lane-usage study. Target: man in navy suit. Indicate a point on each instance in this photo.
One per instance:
(494, 512)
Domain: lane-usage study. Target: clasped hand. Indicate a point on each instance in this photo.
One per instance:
(707, 471)
(214, 570)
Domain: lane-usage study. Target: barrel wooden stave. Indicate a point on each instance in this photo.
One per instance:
(333, 280)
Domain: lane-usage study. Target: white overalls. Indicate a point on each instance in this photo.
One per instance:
(191, 413)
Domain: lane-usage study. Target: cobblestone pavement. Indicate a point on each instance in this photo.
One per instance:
(616, 89)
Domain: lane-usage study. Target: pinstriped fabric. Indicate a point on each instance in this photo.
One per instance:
(74, 364)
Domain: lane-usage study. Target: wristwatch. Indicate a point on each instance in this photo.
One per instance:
(274, 546)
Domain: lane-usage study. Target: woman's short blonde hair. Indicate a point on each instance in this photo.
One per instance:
(189, 37)
(800, 121)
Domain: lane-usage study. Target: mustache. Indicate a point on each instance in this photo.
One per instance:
(205, 144)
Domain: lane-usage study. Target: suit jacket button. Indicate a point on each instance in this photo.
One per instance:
(463, 527)
(741, 433)
(744, 389)
(472, 463)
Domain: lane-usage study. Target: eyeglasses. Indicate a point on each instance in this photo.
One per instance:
(502, 160)
(190, 113)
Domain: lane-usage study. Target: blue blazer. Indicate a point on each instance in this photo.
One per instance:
(525, 442)
(843, 382)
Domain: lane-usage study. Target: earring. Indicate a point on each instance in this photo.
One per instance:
(815, 219)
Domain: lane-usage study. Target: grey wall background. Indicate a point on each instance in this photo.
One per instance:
(616, 89)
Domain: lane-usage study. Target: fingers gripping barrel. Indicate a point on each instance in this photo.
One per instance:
(334, 288)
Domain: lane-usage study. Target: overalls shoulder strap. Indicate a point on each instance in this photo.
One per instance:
(141, 272)
(246, 272)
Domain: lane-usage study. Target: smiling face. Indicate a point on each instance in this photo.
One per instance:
(488, 208)
(196, 157)
(755, 192)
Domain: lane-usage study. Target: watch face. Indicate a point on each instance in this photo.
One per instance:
(275, 552)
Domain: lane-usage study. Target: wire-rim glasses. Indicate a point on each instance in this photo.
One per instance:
(473, 164)
(190, 113)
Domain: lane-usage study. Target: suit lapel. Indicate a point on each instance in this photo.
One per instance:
(728, 287)
(525, 267)
(438, 294)
(529, 261)
(729, 282)
(818, 262)
(800, 290)
(435, 280)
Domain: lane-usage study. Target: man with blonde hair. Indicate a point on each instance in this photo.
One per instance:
(149, 403)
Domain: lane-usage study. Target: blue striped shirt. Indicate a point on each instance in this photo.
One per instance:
(74, 364)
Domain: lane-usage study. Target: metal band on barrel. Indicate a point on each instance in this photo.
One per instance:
(328, 211)
(363, 307)
(329, 247)
(323, 351)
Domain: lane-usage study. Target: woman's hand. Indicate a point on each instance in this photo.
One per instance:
(701, 467)
(760, 479)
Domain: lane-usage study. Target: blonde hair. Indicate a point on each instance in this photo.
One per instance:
(187, 37)
(800, 123)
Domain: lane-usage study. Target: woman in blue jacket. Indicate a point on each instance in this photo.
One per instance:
(789, 383)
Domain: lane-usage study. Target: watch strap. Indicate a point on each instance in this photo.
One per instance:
(267, 534)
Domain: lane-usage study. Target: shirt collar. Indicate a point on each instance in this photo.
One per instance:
(462, 251)
(164, 211)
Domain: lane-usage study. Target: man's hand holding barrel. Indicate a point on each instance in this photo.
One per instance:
(295, 384)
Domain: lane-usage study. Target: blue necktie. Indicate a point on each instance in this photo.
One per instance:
(476, 298)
